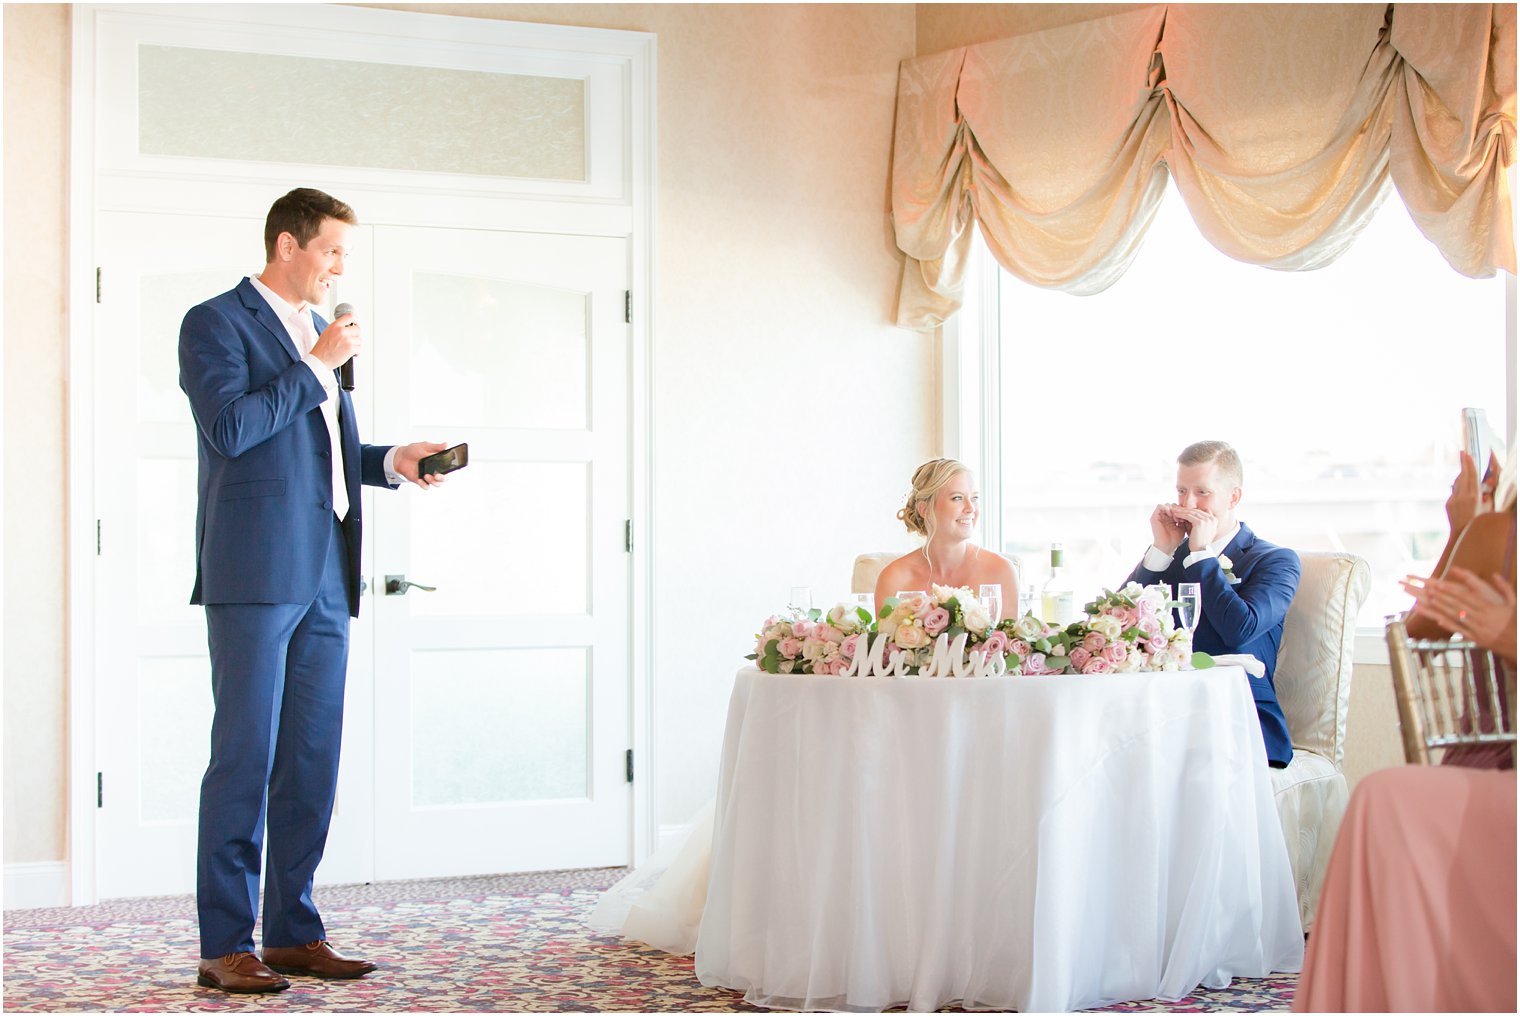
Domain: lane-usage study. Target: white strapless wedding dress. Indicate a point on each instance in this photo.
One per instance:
(660, 903)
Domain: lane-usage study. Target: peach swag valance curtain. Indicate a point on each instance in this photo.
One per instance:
(1281, 125)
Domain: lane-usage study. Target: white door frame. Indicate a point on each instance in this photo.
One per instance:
(525, 209)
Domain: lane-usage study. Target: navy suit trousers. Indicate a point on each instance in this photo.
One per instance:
(277, 678)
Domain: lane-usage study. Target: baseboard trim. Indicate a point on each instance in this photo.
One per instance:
(36, 884)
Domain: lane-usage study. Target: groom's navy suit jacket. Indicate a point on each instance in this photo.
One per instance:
(264, 514)
(1244, 617)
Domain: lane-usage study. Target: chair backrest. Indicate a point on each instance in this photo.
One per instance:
(1313, 676)
(867, 568)
(1450, 692)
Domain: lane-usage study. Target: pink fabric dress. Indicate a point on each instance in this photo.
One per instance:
(1418, 909)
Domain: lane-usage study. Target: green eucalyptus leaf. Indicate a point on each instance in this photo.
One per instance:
(1203, 661)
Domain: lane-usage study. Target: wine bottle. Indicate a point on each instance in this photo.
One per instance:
(1058, 600)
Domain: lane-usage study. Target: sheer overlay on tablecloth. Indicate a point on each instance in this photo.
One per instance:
(660, 902)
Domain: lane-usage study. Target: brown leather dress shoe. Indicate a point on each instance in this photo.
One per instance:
(241, 973)
(318, 959)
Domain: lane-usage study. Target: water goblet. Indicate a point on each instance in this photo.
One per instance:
(864, 601)
(991, 595)
(1189, 604)
(800, 599)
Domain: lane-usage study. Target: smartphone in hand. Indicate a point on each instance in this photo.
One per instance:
(445, 461)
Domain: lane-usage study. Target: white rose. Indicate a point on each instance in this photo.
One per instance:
(1029, 627)
(1106, 625)
(976, 617)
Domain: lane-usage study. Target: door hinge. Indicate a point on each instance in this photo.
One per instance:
(97, 285)
(97, 537)
(628, 535)
(628, 765)
(100, 791)
(627, 306)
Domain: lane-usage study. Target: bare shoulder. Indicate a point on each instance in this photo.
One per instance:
(895, 575)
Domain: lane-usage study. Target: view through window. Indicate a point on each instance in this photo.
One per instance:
(1341, 389)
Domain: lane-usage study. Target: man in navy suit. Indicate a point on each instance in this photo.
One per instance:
(277, 534)
(1246, 582)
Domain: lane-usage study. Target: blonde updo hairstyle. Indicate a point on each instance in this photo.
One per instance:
(928, 480)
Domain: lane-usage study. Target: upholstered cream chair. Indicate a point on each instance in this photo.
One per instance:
(1313, 682)
(867, 568)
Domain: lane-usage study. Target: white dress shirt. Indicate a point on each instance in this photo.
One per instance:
(303, 332)
(1158, 560)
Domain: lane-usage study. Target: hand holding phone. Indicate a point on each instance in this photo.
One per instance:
(445, 461)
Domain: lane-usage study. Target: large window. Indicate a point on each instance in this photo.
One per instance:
(1341, 388)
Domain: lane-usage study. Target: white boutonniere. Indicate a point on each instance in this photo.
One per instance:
(1226, 564)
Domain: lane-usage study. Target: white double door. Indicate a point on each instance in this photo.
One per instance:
(486, 722)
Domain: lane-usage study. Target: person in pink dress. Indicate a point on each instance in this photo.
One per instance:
(1418, 909)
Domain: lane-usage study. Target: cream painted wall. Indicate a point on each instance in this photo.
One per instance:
(788, 411)
(36, 332)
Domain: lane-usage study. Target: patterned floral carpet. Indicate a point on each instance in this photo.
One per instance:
(506, 943)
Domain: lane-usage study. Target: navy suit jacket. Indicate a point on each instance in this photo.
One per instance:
(264, 514)
(1246, 617)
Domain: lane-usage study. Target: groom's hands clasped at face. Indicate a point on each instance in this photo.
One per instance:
(1167, 531)
(1173, 523)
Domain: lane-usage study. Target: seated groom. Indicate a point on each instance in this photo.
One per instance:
(1246, 582)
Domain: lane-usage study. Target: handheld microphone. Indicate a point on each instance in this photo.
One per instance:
(346, 370)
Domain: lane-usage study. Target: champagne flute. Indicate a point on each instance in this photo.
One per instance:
(1189, 604)
(991, 595)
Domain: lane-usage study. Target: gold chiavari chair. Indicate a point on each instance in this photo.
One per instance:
(1450, 692)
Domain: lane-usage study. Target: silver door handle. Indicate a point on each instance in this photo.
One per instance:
(397, 585)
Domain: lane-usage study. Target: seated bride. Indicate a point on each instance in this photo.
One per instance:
(661, 902)
(944, 508)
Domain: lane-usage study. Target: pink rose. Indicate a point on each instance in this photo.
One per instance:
(1150, 626)
(1035, 664)
(1115, 653)
(848, 646)
(802, 629)
(828, 633)
(1094, 642)
(997, 642)
(1098, 665)
(936, 620)
(1019, 647)
(1156, 644)
(1079, 657)
(790, 648)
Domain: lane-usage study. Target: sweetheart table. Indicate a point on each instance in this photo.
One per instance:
(1028, 843)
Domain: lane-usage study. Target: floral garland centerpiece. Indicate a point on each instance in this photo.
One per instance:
(950, 632)
(1123, 632)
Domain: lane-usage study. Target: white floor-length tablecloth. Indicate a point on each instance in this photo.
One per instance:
(1031, 843)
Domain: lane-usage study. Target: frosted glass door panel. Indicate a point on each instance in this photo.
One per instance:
(501, 699)
(163, 301)
(516, 543)
(166, 540)
(496, 353)
(196, 103)
(493, 727)
(173, 721)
